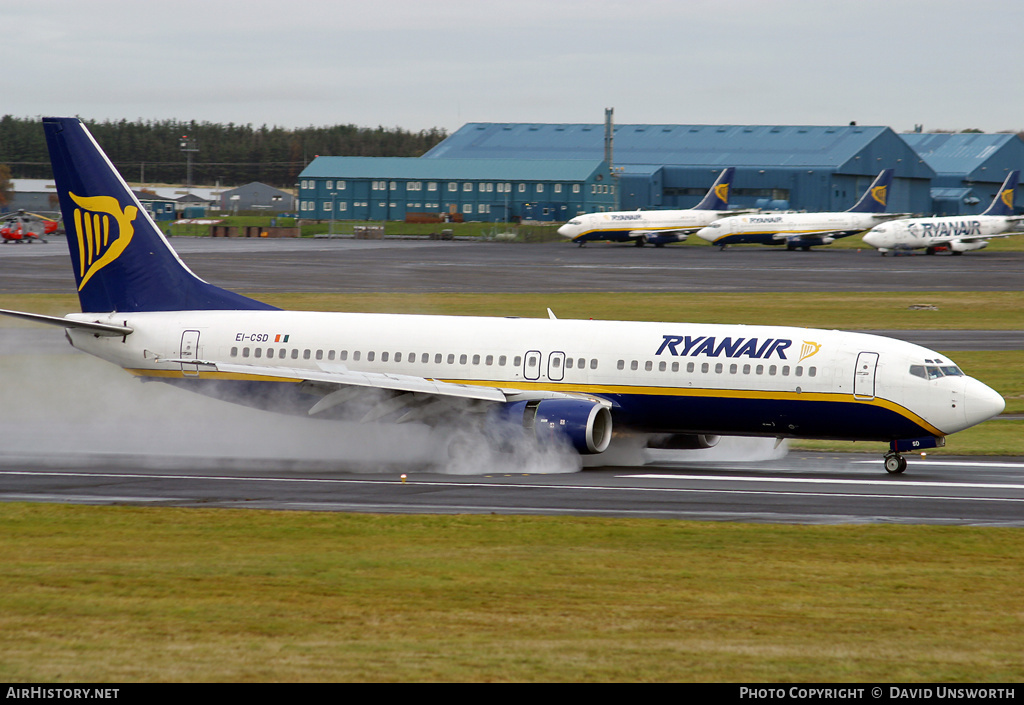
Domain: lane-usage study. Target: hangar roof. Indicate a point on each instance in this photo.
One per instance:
(519, 169)
(796, 146)
(966, 154)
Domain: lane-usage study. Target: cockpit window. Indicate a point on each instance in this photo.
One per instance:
(935, 371)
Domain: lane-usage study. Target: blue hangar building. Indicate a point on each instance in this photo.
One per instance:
(552, 172)
(489, 190)
(813, 168)
(969, 167)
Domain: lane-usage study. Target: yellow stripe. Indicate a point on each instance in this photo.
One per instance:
(206, 374)
(828, 397)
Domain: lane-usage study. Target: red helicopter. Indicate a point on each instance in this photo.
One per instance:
(26, 227)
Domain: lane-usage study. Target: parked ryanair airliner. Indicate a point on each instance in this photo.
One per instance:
(656, 227)
(958, 234)
(805, 230)
(143, 309)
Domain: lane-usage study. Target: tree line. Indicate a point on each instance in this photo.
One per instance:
(230, 155)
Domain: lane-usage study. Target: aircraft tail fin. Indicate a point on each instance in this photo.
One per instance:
(717, 197)
(121, 260)
(875, 198)
(1002, 204)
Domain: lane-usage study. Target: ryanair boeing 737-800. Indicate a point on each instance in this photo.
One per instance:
(656, 227)
(143, 309)
(805, 230)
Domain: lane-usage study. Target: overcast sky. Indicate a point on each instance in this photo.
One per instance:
(417, 64)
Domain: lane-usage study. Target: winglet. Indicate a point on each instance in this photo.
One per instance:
(1002, 204)
(717, 197)
(120, 258)
(876, 197)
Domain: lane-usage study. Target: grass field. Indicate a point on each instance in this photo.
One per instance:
(123, 594)
(129, 594)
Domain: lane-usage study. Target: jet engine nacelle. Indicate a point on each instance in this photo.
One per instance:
(683, 441)
(585, 424)
(965, 246)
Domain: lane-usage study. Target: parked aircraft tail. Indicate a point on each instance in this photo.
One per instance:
(120, 258)
(717, 197)
(875, 198)
(1002, 204)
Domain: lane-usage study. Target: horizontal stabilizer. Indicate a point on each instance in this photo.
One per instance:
(108, 329)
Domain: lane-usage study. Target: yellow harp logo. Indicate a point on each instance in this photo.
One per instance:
(1007, 196)
(808, 349)
(98, 243)
(722, 191)
(878, 193)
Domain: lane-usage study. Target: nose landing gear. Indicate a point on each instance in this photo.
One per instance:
(895, 463)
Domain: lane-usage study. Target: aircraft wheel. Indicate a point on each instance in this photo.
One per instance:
(640, 241)
(930, 251)
(895, 464)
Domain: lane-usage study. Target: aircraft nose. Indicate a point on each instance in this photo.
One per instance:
(565, 231)
(874, 239)
(981, 402)
(706, 234)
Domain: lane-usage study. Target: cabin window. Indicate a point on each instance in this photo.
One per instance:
(689, 367)
(634, 365)
(568, 363)
(648, 366)
(718, 368)
(245, 352)
(463, 358)
(489, 360)
(384, 356)
(330, 354)
(398, 357)
(517, 360)
(234, 352)
(370, 356)
(425, 358)
(257, 352)
(319, 354)
(705, 367)
(746, 369)
(270, 352)
(355, 355)
(733, 368)
(799, 371)
(295, 353)
(785, 370)
(476, 359)
(772, 369)
(343, 355)
(759, 370)
(620, 365)
(501, 360)
(662, 366)
(437, 358)
(812, 371)
(675, 366)
(451, 358)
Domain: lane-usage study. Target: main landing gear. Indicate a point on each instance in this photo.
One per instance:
(895, 463)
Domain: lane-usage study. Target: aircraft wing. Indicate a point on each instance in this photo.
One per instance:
(664, 231)
(339, 384)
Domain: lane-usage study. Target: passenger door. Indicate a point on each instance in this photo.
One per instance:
(864, 376)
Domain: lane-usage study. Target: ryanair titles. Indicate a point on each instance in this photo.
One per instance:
(686, 345)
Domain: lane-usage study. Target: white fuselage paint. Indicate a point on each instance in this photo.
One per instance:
(769, 227)
(633, 224)
(644, 363)
(919, 233)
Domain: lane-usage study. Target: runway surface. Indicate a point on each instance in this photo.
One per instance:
(319, 265)
(82, 431)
